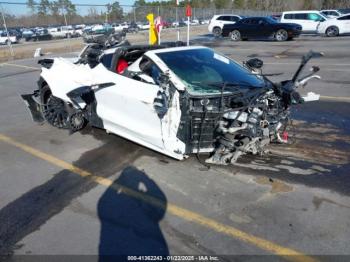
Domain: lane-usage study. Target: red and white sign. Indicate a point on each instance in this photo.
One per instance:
(159, 23)
(188, 11)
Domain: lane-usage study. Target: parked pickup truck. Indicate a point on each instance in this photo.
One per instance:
(62, 32)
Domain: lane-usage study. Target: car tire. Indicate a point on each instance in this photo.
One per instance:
(235, 35)
(281, 35)
(217, 31)
(332, 31)
(53, 108)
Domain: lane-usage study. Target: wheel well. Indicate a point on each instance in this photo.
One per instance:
(332, 26)
(45, 93)
(235, 30)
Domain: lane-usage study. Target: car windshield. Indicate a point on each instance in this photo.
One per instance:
(200, 68)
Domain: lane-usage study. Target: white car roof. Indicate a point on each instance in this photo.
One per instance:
(215, 16)
(301, 11)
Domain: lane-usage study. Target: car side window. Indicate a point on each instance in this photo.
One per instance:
(234, 18)
(254, 21)
(288, 16)
(301, 16)
(262, 22)
(314, 17)
(226, 18)
(347, 17)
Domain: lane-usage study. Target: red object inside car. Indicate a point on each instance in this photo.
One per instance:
(121, 66)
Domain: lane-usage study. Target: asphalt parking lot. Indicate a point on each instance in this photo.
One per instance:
(90, 193)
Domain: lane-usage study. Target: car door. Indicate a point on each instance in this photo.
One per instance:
(344, 24)
(302, 19)
(246, 27)
(126, 108)
(263, 29)
(313, 21)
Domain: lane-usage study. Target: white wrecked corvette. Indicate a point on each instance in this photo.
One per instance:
(174, 100)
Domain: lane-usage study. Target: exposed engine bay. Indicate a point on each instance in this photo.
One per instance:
(259, 118)
(152, 99)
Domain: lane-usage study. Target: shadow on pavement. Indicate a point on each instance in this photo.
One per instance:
(130, 226)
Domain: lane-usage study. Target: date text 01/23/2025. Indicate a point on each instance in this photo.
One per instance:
(173, 258)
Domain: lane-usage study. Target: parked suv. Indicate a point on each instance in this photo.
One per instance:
(331, 13)
(335, 26)
(309, 20)
(218, 21)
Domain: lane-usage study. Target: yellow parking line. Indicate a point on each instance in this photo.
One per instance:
(337, 98)
(180, 212)
(21, 66)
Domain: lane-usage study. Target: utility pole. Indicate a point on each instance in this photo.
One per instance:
(7, 32)
(178, 24)
(134, 9)
(68, 36)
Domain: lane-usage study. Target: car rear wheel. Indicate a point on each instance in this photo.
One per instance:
(53, 109)
(235, 35)
(281, 35)
(332, 31)
(217, 31)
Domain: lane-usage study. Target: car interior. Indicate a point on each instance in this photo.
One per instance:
(124, 56)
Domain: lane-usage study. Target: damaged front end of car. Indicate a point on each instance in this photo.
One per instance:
(258, 117)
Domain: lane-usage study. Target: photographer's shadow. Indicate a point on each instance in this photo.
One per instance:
(129, 223)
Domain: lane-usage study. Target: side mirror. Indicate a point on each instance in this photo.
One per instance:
(314, 69)
(254, 63)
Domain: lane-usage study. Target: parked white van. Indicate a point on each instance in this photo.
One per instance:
(309, 20)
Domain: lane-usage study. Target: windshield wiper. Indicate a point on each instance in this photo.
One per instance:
(270, 74)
